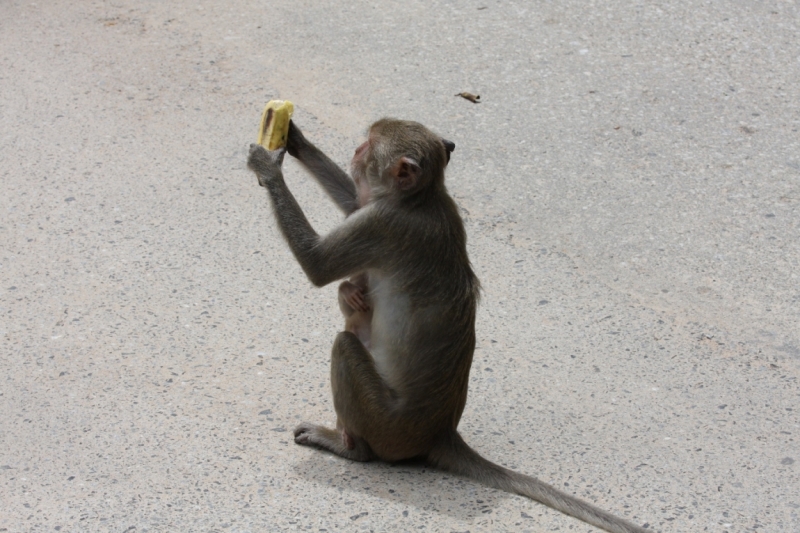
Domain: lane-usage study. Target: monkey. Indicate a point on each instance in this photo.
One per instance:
(352, 294)
(404, 396)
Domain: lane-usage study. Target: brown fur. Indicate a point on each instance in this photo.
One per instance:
(403, 397)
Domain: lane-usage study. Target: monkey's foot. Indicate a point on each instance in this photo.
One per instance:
(338, 442)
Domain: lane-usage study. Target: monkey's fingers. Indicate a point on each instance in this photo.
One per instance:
(256, 153)
(266, 164)
(362, 304)
(356, 300)
(278, 155)
(294, 139)
(352, 301)
(259, 153)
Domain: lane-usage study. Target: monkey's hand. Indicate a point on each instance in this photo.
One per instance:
(266, 164)
(295, 140)
(357, 300)
(353, 296)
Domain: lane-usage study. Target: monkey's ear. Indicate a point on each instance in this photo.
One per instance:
(406, 173)
(449, 146)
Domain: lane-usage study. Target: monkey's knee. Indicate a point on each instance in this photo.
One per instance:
(350, 358)
(349, 361)
(347, 343)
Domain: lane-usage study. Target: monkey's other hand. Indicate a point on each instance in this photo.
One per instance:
(265, 163)
(357, 301)
(295, 140)
(354, 296)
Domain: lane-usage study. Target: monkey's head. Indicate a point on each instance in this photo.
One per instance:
(399, 158)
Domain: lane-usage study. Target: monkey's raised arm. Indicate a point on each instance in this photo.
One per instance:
(348, 249)
(333, 179)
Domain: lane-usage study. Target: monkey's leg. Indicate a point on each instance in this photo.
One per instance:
(361, 400)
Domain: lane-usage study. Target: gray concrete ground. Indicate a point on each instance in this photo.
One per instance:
(631, 191)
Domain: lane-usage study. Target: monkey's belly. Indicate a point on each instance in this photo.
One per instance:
(390, 318)
(380, 348)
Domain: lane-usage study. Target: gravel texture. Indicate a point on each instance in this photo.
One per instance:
(630, 185)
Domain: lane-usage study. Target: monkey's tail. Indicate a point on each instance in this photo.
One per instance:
(453, 455)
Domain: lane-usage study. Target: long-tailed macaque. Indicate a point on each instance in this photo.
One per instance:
(402, 397)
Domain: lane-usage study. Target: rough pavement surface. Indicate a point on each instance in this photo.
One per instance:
(631, 191)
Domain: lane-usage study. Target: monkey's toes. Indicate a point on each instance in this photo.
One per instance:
(302, 433)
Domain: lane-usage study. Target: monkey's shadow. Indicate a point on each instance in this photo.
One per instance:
(409, 483)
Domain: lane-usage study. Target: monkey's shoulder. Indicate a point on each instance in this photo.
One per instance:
(429, 221)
